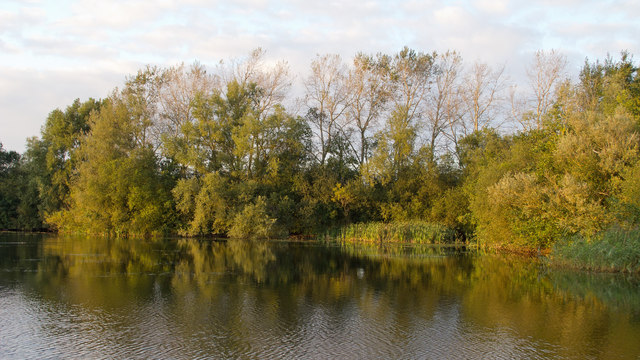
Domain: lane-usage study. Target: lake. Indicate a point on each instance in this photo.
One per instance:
(80, 297)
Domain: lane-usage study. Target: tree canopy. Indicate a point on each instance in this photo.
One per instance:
(386, 137)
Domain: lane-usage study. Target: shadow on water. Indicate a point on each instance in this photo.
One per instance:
(186, 298)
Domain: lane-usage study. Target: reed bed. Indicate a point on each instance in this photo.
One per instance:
(612, 250)
(408, 232)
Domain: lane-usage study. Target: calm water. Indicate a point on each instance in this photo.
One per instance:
(66, 297)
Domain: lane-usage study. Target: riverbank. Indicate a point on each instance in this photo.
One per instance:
(409, 232)
(614, 250)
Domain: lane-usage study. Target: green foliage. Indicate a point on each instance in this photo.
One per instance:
(118, 188)
(318, 208)
(627, 204)
(196, 154)
(598, 149)
(9, 181)
(53, 158)
(562, 180)
(210, 205)
(18, 193)
(395, 148)
(253, 222)
(609, 86)
(239, 153)
(612, 250)
(452, 210)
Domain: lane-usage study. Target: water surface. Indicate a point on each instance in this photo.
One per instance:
(79, 297)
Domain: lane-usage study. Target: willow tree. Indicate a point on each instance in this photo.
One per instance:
(243, 149)
(53, 157)
(118, 187)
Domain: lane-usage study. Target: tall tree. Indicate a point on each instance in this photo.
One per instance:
(141, 96)
(53, 158)
(411, 74)
(611, 84)
(9, 184)
(180, 87)
(118, 187)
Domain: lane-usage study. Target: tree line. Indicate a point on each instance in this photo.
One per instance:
(381, 138)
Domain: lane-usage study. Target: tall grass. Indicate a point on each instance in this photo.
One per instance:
(409, 232)
(612, 250)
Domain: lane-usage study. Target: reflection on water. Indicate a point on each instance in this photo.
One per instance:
(183, 298)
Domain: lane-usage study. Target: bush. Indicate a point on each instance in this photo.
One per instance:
(253, 222)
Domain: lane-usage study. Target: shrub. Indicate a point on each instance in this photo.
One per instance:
(253, 222)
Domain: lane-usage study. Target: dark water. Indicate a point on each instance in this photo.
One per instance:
(66, 297)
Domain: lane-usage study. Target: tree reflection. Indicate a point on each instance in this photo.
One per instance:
(230, 297)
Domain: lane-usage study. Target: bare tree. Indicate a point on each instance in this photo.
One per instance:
(545, 73)
(483, 93)
(273, 82)
(443, 102)
(411, 81)
(180, 89)
(370, 91)
(517, 109)
(327, 99)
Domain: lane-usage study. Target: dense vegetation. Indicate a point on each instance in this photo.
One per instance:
(408, 138)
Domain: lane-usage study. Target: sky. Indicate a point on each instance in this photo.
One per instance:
(52, 52)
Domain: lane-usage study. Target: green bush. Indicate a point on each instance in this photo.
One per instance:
(253, 222)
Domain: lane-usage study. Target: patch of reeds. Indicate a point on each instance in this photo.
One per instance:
(612, 250)
(408, 232)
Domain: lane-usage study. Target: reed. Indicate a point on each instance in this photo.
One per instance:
(410, 232)
(615, 250)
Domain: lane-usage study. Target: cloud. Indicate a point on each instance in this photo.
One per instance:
(27, 97)
(452, 16)
(61, 47)
(13, 23)
(113, 14)
(496, 7)
(55, 52)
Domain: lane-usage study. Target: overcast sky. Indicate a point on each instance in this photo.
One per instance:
(52, 52)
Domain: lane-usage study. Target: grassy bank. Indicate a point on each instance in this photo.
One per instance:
(408, 232)
(614, 250)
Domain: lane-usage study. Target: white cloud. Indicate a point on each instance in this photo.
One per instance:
(27, 97)
(496, 7)
(13, 22)
(452, 16)
(53, 53)
(114, 14)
